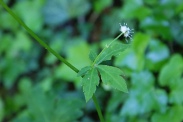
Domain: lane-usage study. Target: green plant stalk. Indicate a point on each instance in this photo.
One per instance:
(42, 43)
(106, 48)
(98, 109)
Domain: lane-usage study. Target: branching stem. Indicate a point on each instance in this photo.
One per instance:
(42, 43)
(106, 48)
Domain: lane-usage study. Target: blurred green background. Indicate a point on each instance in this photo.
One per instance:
(36, 87)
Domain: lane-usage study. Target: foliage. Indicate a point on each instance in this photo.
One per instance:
(47, 107)
(89, 82)
(35, 86)
(109, 75)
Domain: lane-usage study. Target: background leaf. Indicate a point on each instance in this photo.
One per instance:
(176, 92)
(157, 55)
(69, 10)
(42, 106)
(99, 5)
(170, 116)
(152, 65)
(171, 71)
(92, 55)
(77, 54)
(133, 58)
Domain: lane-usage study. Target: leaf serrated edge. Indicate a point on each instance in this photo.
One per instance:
(95, 83)
(125, 88)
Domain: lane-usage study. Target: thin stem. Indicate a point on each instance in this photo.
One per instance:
(42, 43)
(37, 38)
(98, 108)
(115, 38)
(106, 48)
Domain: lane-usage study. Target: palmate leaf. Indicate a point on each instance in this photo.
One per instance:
(111, 76)
(89, 82)
(112, 50)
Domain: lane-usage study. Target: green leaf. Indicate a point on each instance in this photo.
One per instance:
(171, 71)
(69, 10)
(8, 22)
(143, 79)
(100, 5)
(174, 114)
(156, 26)
(175, 95)
(77, 55)
(133, 58)
(157, 51)
(111, 75)
(140, 101)
(140, 43)
(92, 55)
(83, 71)
(89, 82)
(111, 50)
(34, 19)
(138, 11)
(161, 100)
(156, 55)
(47, 107)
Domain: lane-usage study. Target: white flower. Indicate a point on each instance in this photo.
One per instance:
(126, 31)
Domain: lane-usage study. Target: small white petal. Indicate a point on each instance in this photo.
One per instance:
(126, 31)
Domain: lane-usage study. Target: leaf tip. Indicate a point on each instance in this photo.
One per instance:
(126, 91)
(87, 99)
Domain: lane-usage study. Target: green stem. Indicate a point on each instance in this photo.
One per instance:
(106, 48)
(37, 38)
(42, 43)
(98, 109)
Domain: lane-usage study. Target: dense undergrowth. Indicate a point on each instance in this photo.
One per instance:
(35, 86)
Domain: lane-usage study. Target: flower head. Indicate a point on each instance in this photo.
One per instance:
(126, 31)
